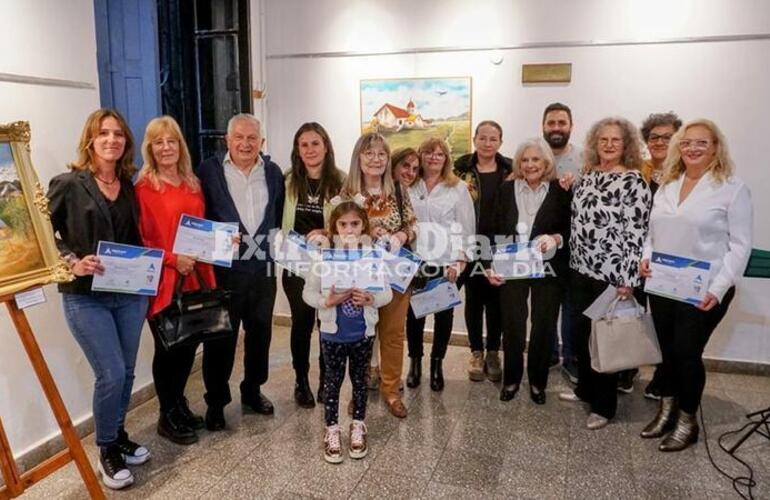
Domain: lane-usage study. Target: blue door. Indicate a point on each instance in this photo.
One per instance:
(127, 56)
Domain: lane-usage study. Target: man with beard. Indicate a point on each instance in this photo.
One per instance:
(557, 126)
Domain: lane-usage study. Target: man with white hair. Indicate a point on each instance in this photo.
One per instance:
(243, 186)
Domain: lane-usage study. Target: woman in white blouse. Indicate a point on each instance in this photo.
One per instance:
(701, 211)
(446, 221)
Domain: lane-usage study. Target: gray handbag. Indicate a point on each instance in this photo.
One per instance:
(623, 341)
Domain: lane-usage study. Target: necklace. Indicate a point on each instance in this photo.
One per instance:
(313, 197)
(106, 182)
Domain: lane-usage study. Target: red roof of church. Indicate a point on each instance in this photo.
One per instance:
(397, 112)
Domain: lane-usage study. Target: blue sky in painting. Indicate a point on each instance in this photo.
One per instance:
(7, 169)
(434, 97)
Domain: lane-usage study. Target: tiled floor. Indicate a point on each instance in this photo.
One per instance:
(462, 443)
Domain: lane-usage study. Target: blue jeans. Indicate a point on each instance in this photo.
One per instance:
(567, 335)
(108, 327)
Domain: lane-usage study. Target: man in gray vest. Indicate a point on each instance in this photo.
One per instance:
(557, 127)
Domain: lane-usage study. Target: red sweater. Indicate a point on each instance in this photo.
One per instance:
(159, 214)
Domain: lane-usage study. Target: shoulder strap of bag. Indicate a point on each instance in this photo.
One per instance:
(400, 203)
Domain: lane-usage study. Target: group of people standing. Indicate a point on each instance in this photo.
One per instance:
(592, 209)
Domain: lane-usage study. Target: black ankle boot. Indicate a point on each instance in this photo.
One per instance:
(415, 372)
(172, 426)
(664, 421)
(436, 374)
(190, 419)
(684, 434)
(302, 393)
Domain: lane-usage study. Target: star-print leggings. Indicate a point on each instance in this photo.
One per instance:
(336, 355)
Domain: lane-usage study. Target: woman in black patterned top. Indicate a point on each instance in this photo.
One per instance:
(610, 208)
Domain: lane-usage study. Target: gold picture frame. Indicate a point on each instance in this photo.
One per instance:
(28, 253)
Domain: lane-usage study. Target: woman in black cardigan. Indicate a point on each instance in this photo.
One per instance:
(531, 206)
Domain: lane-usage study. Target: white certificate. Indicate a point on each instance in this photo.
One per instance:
(401, 268)
(678, 278)
(345, 269)
(438, 295)
(295, 253)
(128, 269)
(206, 240)
(518, 261)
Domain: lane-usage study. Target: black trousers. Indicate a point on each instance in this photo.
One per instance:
(252, 302)
(546, 298)
(170, 371)
(598, 389)
(683, 332)
(442, 326)
(303, 318)
(480, 298)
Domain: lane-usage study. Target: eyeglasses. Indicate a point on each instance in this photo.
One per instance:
(615, 141)
(662, 137)
(700, 144)
(438, 156)
(371, 155)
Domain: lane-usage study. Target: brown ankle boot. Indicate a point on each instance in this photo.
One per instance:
(685, 433)
(664, 421)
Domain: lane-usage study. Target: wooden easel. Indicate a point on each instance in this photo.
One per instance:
(16, 483)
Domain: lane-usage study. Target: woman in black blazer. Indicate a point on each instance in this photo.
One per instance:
(531, 206)
(91, 203)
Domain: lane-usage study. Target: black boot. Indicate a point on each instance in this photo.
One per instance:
(302, 393)
(685, 433)
(664, 421)
(436, 374)
(415, 372)
(193, 421)
(171, 426)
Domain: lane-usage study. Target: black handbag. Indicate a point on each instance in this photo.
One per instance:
(193, 317)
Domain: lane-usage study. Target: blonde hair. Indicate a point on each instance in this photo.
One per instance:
(85, 161)
(156, 128)
(354, 183)
(545, 150)
(721, 167)
(447, 175)
(632, 147)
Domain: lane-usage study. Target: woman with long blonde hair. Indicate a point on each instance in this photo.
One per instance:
(701, 211)
(166, 189)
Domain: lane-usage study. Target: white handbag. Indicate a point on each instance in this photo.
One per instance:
(623, 341)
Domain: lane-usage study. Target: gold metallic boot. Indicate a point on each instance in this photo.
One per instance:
(685, 433)
(664, 421)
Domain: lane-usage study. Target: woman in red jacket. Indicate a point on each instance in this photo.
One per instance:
(166, 189)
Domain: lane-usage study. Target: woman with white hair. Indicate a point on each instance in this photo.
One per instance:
(533, 206)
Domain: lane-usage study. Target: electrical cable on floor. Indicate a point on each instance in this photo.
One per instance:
(738, 482)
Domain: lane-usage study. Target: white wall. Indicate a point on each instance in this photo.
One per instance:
(48, 39)
(724, 81)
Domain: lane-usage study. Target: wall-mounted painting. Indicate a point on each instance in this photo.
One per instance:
(28, 254)
(409, 110)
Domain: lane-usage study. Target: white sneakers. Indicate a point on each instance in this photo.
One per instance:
(357, 449)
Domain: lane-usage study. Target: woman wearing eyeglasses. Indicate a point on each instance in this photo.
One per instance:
(447, 220)
(391, 220)
(610, 207)
(701, 211)
(657, 131)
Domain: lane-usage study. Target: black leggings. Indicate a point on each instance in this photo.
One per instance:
(336, 355)
(683, 332)
(482, 298)
(170, 371)
(442, 323)
(303, 318)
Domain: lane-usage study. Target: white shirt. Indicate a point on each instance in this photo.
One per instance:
(249, 192)
(714, 223)
(528, 202)
(446, 222)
